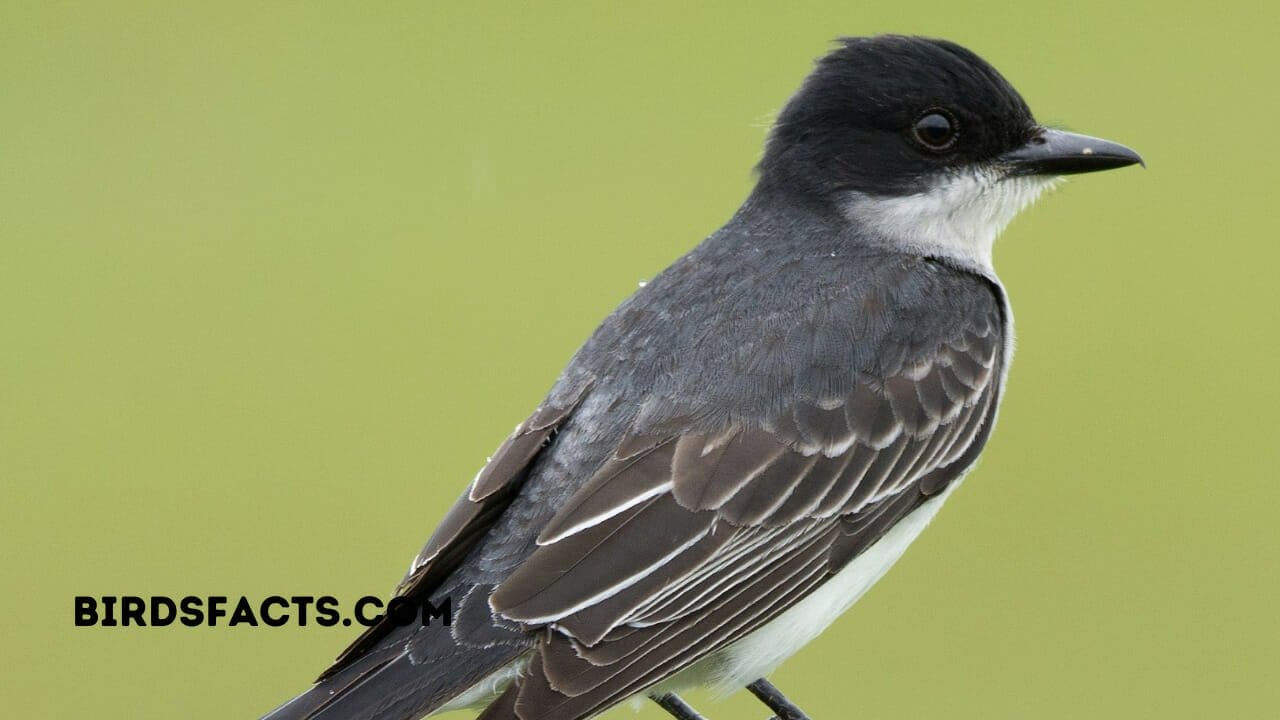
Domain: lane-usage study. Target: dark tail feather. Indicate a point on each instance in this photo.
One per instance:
(386, 684)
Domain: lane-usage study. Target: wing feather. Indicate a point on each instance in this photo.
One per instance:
(562, 578)
(684, 542)
(718, 475)
(467, 521)
(560, 684)
(824, 475)
(755, 503)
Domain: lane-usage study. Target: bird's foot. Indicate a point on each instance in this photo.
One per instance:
(776, 701)
(678, 708)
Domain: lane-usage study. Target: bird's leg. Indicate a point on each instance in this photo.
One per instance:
(777, 702)
(678, 708)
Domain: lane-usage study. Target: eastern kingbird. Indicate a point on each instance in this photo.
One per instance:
(750, 440)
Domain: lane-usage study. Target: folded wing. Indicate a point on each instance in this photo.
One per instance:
(683, 542)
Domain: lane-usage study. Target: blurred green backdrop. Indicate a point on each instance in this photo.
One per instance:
(275, 278)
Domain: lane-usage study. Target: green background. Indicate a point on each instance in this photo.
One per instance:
(275, 278)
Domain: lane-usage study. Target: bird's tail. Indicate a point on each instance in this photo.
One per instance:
(387, 684)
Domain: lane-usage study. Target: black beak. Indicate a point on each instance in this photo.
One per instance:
(1056, 152)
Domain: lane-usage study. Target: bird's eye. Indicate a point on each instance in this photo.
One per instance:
(935, 130)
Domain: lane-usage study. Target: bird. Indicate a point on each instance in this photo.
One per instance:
(749, 441)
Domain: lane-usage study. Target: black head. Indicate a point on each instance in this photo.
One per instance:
(886, 115)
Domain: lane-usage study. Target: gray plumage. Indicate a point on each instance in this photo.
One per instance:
(806, 378)
(748, 423)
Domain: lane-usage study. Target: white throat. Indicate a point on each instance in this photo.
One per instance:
(958, 217)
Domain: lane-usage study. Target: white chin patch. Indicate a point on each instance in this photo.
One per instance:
(958, 217)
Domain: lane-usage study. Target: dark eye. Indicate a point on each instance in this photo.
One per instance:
(936, 130)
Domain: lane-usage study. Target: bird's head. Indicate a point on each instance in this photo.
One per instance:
(921, 142)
